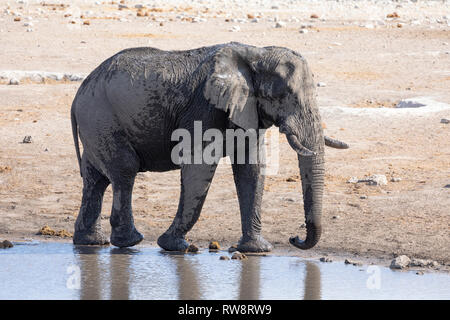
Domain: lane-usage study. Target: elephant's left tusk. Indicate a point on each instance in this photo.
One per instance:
(335, 143)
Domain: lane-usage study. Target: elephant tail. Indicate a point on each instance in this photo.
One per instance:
(75, 136)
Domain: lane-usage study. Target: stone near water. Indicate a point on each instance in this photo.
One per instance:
(238, 256)
(325, 259)
(214, 245)
(5, 244)
(400, 262)
(192, 248)
(352, 262)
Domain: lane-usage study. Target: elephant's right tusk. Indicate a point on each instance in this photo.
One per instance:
(298, 147)
(335, 143)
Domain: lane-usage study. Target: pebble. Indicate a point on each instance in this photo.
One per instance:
(224, 258)
(192, 248)
(13, 81)
(396, 179)
(235, 29)
(280, 24)
(363, 197)
(5, 244)
(443, 120)
(325, 259)
(355, 263)
(214, 245)
(232, 249)
(238, 256)
(303, 31)
(321, 84)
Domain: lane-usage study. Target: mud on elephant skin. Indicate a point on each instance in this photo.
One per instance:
(126, 110)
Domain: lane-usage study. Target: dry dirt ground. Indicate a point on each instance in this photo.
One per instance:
(366, 61)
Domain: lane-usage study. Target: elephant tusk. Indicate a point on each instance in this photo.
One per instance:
(335, 143)
(298, 147)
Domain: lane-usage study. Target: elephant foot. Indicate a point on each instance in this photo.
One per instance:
(171, 243)
(90, 238)
(257, 244)
(121, 238)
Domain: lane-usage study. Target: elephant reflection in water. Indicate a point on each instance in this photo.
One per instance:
(95, 279)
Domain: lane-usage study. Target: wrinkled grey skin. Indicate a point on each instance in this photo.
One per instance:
(126, 110)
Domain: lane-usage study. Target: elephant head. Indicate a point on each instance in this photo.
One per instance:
(260, 87)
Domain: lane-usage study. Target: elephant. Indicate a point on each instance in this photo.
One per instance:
(126, 110)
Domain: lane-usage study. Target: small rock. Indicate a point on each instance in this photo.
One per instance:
(235, 29)
(352, 262)
(192, 248)
(238, 256)
(304, 31)
(363, 197)
(325, 259)
(214, 245)
(314, 16)
(321, 84)
(280, 24)
(291, 179)
(392, 15)
(419, 273)
(13, 82)
(423, 263)
(224, 258)
(233, 248)
(336, 217)
(443, 120)
(5, 244)
(396, 179)
(86, 23)
(409, 104)
(400, 262)
(27, 139)
(353, 180)
(377, 180)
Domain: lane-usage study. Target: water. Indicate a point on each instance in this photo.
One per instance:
(62, 271)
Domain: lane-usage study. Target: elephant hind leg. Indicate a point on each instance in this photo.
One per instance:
(123, 230)
(87, 226)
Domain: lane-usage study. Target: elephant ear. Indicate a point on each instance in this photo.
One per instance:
(229, 86)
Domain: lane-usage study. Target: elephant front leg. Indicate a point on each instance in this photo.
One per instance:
(249, 185)
(195, 182)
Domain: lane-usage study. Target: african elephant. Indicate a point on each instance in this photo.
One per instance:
(126, 110)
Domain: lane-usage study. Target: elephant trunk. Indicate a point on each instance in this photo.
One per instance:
(312, 172)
